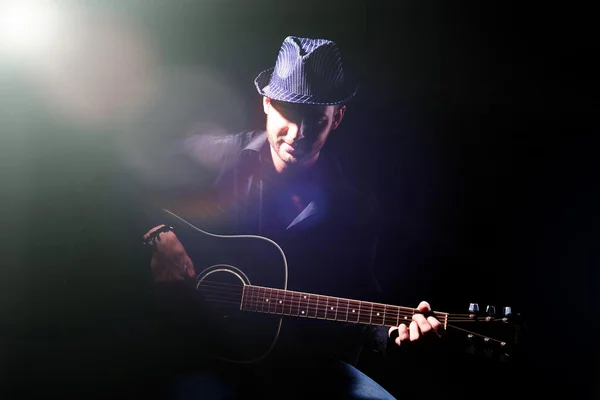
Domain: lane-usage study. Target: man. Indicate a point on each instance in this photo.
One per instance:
(285, 184)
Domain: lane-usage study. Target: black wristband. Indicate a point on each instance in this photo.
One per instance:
(155, 235)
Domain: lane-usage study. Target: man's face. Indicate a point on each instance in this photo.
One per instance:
(297, 132)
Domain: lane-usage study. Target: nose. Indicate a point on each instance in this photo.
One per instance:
(295, 132)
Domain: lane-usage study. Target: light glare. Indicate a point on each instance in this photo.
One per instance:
(28, 28)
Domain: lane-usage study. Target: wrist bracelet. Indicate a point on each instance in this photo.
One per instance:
(155, 235)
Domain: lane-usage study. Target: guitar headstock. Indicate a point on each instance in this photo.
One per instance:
(494, 332)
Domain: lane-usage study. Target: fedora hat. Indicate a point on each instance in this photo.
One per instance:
(307, 71)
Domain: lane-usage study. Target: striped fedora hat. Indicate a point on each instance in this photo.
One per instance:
(307, 71)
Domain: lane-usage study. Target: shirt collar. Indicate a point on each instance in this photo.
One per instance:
(255, 144)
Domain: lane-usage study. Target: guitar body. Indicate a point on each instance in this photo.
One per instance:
(225, 265)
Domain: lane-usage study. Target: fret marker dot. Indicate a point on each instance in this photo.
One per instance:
(266, 299)
(302, 312)
(353, 310)
(378, 314)
(304, 296)
(279, 301)
(332, 308)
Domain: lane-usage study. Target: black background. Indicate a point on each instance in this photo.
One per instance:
(474, 126)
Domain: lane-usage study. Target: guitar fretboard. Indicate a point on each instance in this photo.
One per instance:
(286, 302)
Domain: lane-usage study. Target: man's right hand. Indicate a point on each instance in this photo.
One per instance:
(170, 261)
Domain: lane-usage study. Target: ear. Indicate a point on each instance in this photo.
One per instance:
(338, 117)
(266, 104)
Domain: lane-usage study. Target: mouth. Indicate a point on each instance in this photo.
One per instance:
(288, 148)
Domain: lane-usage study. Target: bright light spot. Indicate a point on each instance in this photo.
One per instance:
(28, 28)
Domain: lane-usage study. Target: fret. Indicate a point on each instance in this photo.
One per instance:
(257, 302)
(263, 297)
(377, 315)
(330, 310)
(268, 300)
(303, 305)
(253, 303)
(359, 307)
(389, 318)
(299, 302)
(273, 301)
(366, 312)
(384, 314)
(345, 307)
(316, 306)
(287, 304)
(278, 302)
(252, 298)
(284, 303)
(294, 306)
(326, 306)
(353, 312)
(259, 299)
(337, 305)
(248, 295)
(322, 310)
(310, 306)
(394, 317)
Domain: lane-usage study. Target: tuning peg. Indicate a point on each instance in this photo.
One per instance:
(491, 311)
(507, 314)
(473, 311)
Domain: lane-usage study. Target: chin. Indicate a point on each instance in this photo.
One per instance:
(290, 160)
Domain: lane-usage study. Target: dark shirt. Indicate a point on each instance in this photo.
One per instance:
(327, 228)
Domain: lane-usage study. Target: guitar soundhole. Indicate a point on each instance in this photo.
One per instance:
(245, 335)
(221, 287)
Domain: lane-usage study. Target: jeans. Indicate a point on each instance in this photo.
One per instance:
(333, 379)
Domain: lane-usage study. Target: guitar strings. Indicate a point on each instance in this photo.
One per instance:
(313, 312)
(290, 299)
(236, 304)
(234, 298)
(288, 296)
(319, 313)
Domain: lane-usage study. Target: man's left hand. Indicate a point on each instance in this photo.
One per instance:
(419, 326)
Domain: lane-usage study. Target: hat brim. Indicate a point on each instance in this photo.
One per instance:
(262, 86)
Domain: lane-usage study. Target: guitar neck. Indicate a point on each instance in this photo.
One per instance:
(308, 305)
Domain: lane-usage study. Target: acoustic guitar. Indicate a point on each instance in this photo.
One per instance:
(244, 279)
